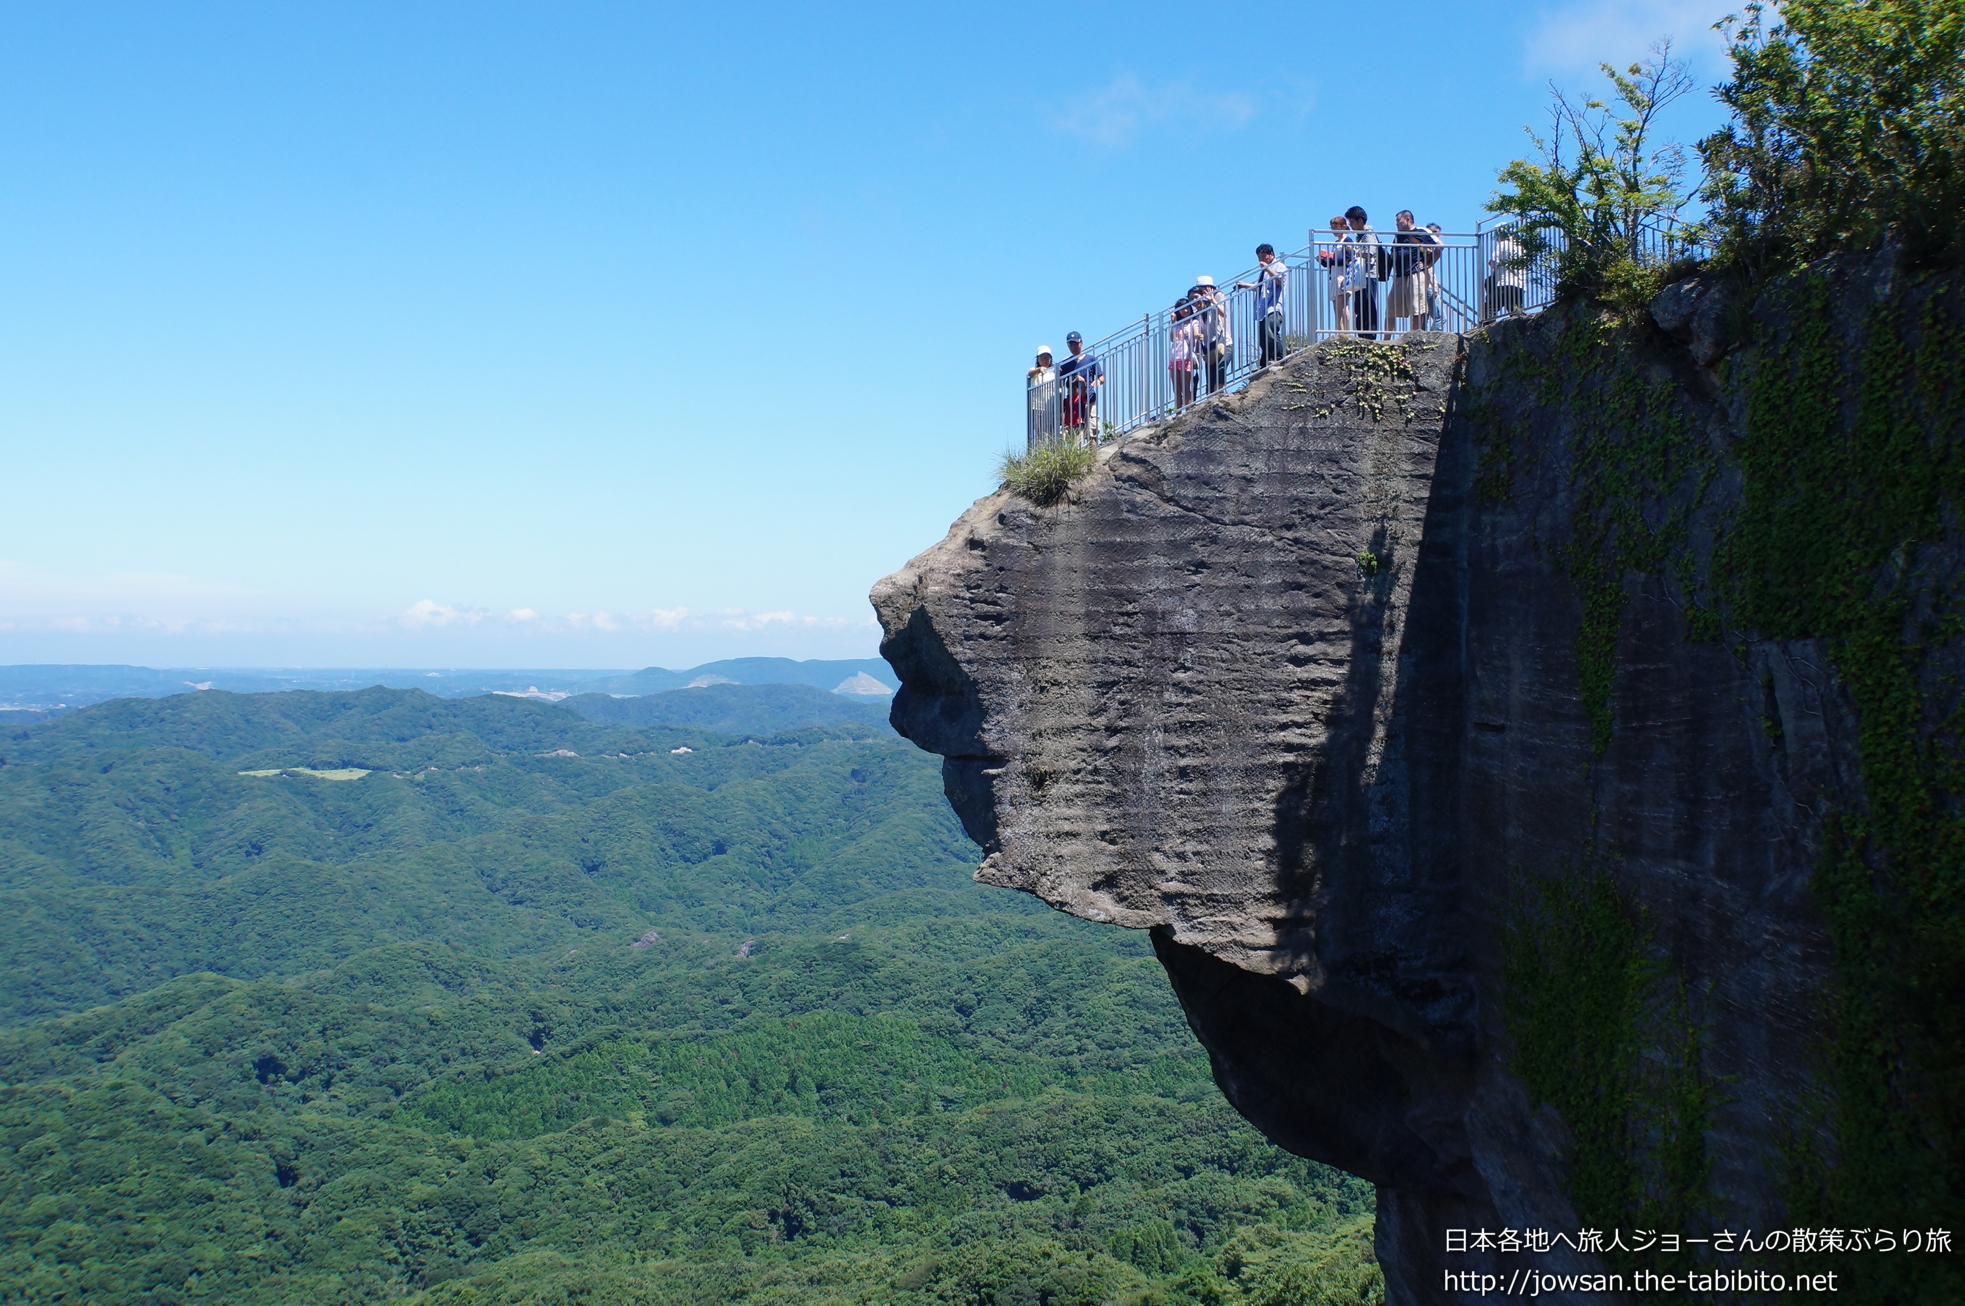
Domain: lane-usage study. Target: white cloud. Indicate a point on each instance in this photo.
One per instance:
(1575, 38)
(519, 616)
(737, 619)
(1116, 114)
(427, 612)
(667, 618)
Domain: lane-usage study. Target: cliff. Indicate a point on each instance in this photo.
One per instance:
(1532, 754)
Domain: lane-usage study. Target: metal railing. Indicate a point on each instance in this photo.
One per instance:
(1373, 286)
(1354, 286)
(1653, 245)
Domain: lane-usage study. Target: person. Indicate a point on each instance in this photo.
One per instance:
(1413, 253)
(1079, 377)
(1434, 295)
(1370, 262)
(1217, 333)
(1507, 276)
(1184, 343)
(1041, 392)
(1346, 273)
(1269, 287)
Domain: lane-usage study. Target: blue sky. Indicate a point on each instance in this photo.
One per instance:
(588, 334)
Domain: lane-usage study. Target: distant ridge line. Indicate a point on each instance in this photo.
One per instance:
(46, 687)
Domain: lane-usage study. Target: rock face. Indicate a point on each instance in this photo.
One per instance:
(1296, 682)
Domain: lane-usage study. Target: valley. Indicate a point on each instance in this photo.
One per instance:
(543, 1009)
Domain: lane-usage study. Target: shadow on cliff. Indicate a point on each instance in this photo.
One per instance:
(1313, 809)
(1364, 1058)
(1365, 855)
(939, 709)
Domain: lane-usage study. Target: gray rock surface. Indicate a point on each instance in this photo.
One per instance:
(1187, 701)
(1695, 312)
(1195, 637)
(1277, 684)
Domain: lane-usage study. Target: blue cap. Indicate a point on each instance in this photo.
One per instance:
(1073, 338)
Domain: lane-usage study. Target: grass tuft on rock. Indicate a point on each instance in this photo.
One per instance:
(1045, 474)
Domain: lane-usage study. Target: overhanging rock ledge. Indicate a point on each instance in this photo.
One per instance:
(1277, 685)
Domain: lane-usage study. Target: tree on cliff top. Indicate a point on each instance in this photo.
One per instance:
(1849, 124)
(1606, 198)
(1848, 128)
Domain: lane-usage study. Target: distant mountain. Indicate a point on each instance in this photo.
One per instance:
(863, 685)
(48, 687)
(54, 687)
(734, 709)
(58, 687)
(821, 673)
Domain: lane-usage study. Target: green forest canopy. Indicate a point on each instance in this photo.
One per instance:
(544, 1010)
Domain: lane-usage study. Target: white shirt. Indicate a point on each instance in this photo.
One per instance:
(1505, 262)
(1275, 280)
(1186, 338)
(1354, 263)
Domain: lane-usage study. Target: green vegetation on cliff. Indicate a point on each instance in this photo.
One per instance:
(1606, 200)
(541, 1010)
(1823, 508)
(1044, 475)
(1853, 462)
(1601, 1031)
(1847, 485)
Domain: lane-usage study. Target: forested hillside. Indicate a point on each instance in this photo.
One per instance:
(134, 848)
(475, 1000)
(735, 709)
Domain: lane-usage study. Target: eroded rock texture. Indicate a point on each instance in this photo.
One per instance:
(1205, 698)
(1294, 681)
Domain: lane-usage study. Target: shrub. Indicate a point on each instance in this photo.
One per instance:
(1848, 123)
(1045, 474)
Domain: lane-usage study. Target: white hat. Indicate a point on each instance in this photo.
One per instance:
(1204, 281)
(1044, 349)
